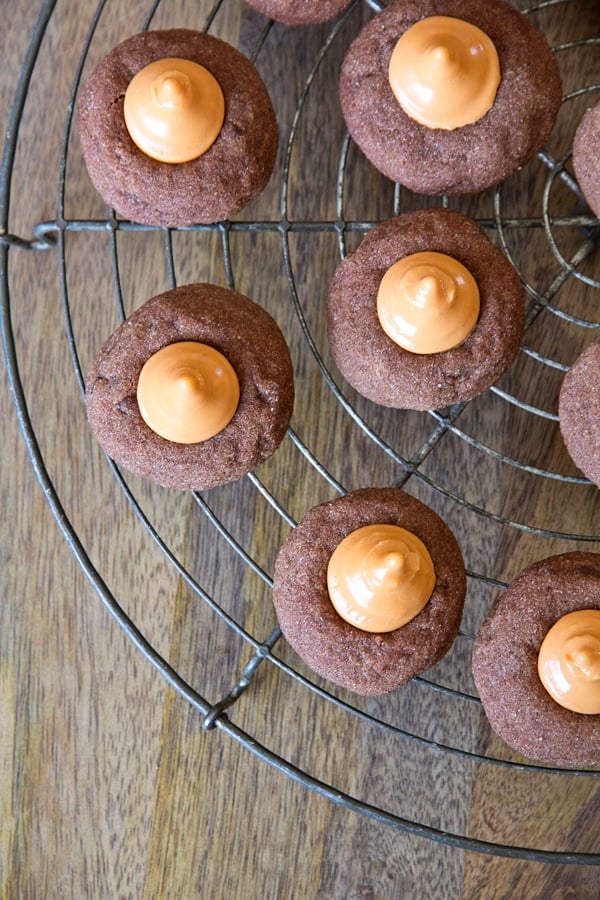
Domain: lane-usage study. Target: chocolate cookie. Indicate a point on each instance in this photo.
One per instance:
(505, 653)
(367, 663)
(586, 160)
(386, 373)
(579, 412)
(212, 187)
(300, 12)
(474, 156)
(254, 345)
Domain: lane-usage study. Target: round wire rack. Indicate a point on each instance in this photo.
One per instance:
(495, 468)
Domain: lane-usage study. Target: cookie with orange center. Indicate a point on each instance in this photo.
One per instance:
(193, 390)
(427, 312)
(300, 12)
(536, 661)
(451, 96)
(369, 589)
(177, 128)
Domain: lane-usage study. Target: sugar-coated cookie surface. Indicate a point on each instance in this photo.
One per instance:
(364, 662)
(386, 373)
(472, 157)
(251, 341)
(505, 653)
(300, 12)
(579, 411)
(208, 189)
(586, 159)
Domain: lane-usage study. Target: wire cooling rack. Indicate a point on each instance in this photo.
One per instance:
(495, 468)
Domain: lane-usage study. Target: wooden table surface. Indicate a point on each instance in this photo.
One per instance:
(109, 784)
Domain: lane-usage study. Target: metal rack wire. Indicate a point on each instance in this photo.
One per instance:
(459, 430)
